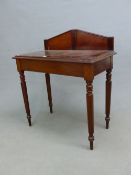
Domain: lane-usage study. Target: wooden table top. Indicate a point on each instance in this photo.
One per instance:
(76, 56)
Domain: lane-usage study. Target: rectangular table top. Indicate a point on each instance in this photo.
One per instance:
(76, 56)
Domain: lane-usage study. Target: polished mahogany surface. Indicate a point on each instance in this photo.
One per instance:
(77, 56)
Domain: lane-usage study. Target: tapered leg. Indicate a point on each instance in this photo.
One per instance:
(25, 96)
(48, 85)
(108, 96)
(90, 112)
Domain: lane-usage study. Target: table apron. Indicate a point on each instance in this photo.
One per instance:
(103, 65)
(62, 68)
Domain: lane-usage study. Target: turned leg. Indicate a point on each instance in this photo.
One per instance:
(25, 96)
(48, 85)
(90, 111)
(108, 97)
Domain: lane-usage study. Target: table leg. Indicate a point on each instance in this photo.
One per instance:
(48, 85)
(90, 111)
(25, 96)
(108, 96)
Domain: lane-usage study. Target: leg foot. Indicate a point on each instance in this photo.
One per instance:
(29, 120)
(107, 118)
(51, 110)
(91, 139)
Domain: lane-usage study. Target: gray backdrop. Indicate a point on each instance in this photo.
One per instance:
(58, 143)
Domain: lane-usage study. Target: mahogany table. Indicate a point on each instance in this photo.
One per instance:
(80, 63)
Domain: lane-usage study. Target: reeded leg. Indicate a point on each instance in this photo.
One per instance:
(25, 96)
(108, 96)
(48, 85)
(90, 112)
